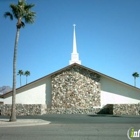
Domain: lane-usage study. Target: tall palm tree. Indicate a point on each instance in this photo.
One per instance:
(20, 12)
(20, 73)
(27, 73)
(135, 75)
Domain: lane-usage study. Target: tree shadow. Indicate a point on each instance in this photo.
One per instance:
(107, 109)
(103, 115)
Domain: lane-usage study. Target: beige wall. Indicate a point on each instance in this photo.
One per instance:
(113, 92)
(33, 93)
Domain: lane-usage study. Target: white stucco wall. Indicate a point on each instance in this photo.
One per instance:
(34, 93)
(113, 92)
(48, 92)
(1, 100)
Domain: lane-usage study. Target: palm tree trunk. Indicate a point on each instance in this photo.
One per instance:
(13, 108)
(20, 80)
(26, 80)
(134, 81)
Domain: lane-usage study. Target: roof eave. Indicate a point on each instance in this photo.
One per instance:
(58, 71)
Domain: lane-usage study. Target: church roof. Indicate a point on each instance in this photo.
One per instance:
(67, 67)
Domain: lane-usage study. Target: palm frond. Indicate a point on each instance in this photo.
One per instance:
(29, 6)
(22, 24)
(27, 73)
(21, 11)
(21, 2)
(20, 72)
(8, 14)
(29, 17)
(135, 74)
(15, 10)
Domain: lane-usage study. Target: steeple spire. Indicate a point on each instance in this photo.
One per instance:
(74, 41)
(74, 54)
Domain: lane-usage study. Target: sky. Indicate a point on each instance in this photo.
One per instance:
(107, 33)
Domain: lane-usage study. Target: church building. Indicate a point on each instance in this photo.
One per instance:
(74, 89)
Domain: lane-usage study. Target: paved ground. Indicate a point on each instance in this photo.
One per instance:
(90, 119)
(68, 119)
(73, 127)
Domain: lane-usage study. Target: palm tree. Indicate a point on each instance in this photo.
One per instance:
(27, 73)
(20, 72)
(135, 75)
(21, 11)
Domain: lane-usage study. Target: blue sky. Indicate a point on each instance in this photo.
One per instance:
(107, 31)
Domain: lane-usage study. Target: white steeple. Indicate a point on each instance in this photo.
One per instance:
(74, 54)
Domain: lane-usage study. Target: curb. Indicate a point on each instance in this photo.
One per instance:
(22, 122)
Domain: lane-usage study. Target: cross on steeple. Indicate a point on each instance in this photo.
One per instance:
(74, 54)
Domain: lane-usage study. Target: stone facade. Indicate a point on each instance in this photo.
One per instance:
(75, 89)
(73, 111)
(23, 109)
(126, 109)
(38, 109)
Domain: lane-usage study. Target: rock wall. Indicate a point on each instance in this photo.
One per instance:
(112, 109)
(75, 89)
(73, 111)
(38, 109)
(23, 109)
(126, 109)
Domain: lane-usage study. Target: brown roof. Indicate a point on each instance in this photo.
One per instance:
(75, 64)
